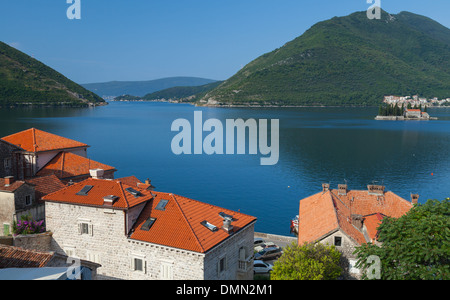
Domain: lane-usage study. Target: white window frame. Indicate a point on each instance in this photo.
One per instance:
(83, 224)
(167, 270)
(140, 257)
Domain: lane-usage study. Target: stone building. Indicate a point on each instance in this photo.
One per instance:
(36, 148)
(348, 218)
(16, 198)
(8, 159)
(137, 233)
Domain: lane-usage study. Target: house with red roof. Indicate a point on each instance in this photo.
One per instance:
(348, 218)
(23, 197)
(36, 148)
(135, 232)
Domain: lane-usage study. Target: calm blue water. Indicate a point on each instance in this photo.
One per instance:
(317, 145)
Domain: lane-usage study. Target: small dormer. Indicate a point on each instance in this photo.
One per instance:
(109, 200)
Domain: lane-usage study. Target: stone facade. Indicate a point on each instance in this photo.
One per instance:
(8, 159)
(346, 246)
(103, 239)
(16, 203)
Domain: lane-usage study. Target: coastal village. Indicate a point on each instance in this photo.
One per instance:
(416, 101)
(124, 228)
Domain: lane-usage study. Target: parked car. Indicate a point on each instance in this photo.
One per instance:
(261, 246)
(260, 267)
(269, 253)
(258, 241)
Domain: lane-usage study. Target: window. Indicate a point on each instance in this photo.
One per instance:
(162, 205)
(148, 224)
(7, 164)
(134, 192)
(85, 227)
(6, 229)
(209, 226)
(222, 265)
(338, 241)
(166, 271)
(85, 190)
(138, 263)
(28, 200)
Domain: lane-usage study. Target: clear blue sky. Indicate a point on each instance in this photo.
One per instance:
(150, 39)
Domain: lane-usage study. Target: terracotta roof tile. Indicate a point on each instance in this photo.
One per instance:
(100, 188)
(14, 257)
(11, 188)
(67, 165)
(323, 213)
(35, 140)
(179, 225)
(46, 185)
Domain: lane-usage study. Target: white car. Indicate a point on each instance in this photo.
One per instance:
(260, 267)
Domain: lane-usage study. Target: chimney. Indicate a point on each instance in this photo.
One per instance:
(357, 221)
(325, 187)
(414, 199)
(9, 180)
(109, 200)
(376, 189)
(227, 225)
(227, 219)
(97, 173)
(342, 190)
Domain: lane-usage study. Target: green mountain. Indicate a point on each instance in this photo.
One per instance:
(185, 93)
(24, 80)
(347, 60)
(141, 88)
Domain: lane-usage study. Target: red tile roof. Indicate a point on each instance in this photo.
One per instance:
(67, 165)
(11, 188)
(14, 257)
(326, 212)
(179, 225)
(35, 140)
(101, 188)
(46, 185)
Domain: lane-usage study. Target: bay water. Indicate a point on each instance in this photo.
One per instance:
(317, 145)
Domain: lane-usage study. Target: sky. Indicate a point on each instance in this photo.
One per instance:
(133, 40)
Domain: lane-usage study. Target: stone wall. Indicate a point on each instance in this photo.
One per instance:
(38, 242)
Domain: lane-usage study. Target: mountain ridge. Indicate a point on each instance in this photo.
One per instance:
(27, 81)
(142, 88)
(346, 61)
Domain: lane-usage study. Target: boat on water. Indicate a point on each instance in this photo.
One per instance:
(294, 225)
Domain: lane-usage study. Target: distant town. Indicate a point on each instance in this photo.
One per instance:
(416, 101)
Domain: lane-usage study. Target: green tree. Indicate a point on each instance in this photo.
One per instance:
(415, 246)
(307, 262)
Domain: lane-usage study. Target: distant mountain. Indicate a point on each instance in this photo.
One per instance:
(24, 80)
(186, 93)
(347, 60)
(141, 88)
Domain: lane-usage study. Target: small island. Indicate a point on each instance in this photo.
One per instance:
(400, 113)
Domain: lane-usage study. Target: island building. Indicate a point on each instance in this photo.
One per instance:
(135, 232)
(348, 218)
